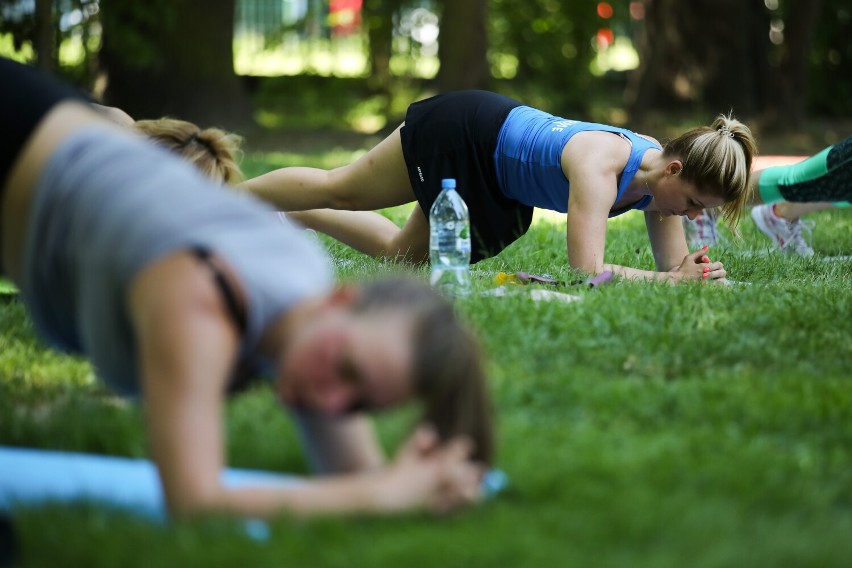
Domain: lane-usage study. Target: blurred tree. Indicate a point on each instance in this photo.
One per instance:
(34, 24)
(705, 52)
(173, 57)
(43, 25)
(44, 40)
(757, 57)
(830, 63)
(792, 72)
(776, 58)
(462, 46)
(545, 45)
(378, 18)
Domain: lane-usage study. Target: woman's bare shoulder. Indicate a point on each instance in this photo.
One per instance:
(596, 149)
(650, 139)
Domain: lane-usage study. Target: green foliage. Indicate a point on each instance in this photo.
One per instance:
(322, 104)
(73, 26)
(831, 60)
(130, 27)
(551, 42)
(643, 425)
(19, 24)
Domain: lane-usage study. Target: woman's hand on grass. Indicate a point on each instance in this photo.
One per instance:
(429, 474)
(698, 266)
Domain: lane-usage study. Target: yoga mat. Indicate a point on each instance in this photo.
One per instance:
(35, 477)
(31, 477)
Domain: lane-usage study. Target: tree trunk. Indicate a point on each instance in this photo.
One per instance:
(378, 18)
(707, 52)
(462, 46)
(734, 82)
(641, 86)
(176, 59)
(793, 72)
(45, 35)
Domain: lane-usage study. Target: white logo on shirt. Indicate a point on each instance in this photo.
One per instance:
(562, 125)
(420, 173)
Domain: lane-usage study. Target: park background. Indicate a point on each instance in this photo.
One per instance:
(643, 425)
(338, 67)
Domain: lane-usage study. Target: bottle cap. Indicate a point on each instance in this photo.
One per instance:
(448, 183)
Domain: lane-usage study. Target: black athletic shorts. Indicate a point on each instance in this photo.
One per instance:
(26, 96)
(454, 135)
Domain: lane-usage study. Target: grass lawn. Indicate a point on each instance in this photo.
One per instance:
(644, 425)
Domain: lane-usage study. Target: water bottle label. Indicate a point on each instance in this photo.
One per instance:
(446, 239)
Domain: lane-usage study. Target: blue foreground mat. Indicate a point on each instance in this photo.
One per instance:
(37, 477)
(31, 477)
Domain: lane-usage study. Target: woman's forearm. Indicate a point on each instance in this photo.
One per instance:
(338, 495)
(426, 474)
(637, 274)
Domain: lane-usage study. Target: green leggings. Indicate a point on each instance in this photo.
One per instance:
(826, 176)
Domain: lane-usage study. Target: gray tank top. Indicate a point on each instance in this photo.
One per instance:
(107, 205)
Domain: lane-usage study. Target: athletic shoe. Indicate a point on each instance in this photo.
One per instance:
(701, 231)
(783, 232)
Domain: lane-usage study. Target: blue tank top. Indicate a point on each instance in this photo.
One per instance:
(528, 158)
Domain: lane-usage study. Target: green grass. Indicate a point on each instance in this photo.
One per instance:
(645, 425)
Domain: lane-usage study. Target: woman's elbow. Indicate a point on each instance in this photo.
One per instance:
(192, 502)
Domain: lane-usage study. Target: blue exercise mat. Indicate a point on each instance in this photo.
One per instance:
(36, 477)
(30, 477)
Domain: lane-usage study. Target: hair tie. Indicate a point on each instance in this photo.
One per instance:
(197, 139)
(725, 131)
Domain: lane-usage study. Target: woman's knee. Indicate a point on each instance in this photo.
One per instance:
(409, 248)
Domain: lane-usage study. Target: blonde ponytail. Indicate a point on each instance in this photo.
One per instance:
(718, 159)
(213, 151)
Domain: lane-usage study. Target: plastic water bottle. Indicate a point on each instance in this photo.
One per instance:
(449, 241)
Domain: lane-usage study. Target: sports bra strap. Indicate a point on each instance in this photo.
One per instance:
(236, 311)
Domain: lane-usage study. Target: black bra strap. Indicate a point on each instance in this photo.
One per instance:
(237, 314)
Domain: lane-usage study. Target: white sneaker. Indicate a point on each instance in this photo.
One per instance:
(701, 231)
(784, 233)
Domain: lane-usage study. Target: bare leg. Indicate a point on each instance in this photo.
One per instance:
(760, 164)
(372, 233)
(754, 183)
(378, 179)
(792, 211)
(824, 177)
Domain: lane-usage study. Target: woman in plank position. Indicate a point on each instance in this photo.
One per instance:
(509, 158)
(179, 290)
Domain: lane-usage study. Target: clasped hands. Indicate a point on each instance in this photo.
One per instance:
(698, 266)
(430, 474)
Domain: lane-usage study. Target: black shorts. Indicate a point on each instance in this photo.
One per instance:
(25, 98)
(454, 135)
